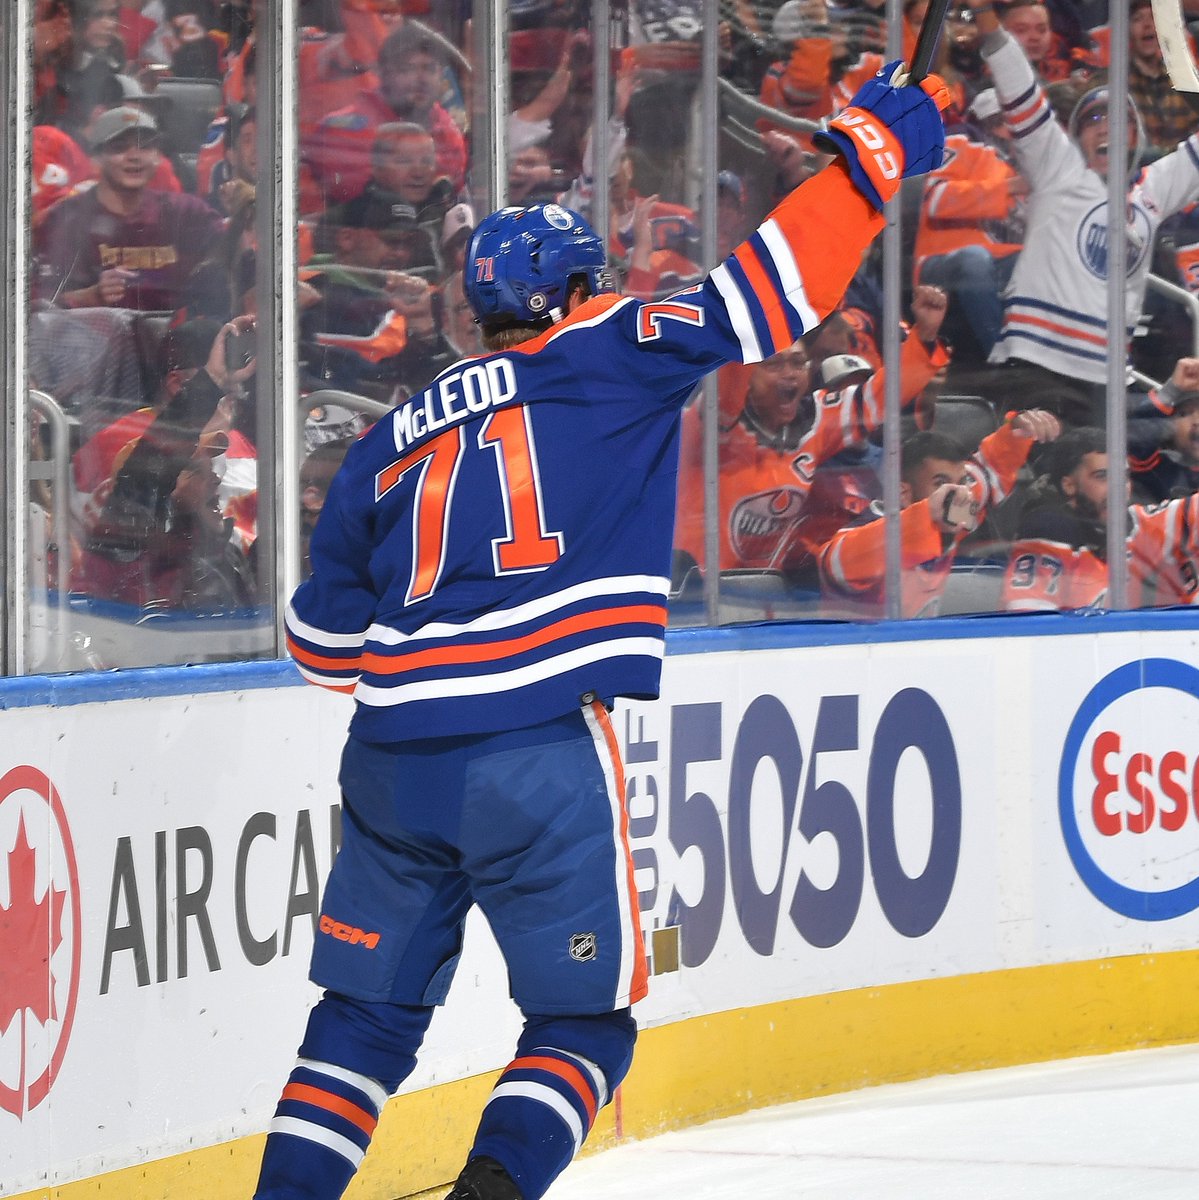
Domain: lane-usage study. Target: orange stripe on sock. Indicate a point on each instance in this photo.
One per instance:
(354, 1113)
(565, 1071)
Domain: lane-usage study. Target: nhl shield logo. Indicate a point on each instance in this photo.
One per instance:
(583, 947)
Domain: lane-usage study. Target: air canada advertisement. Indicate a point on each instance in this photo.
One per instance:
(801, 821)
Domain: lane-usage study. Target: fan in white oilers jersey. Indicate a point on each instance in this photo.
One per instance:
(489, 572)
(1055, 308)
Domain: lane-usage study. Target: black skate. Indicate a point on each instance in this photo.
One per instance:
(484, 1179)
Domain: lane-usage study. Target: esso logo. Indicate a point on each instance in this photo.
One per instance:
(1128, 790)
(40, 935)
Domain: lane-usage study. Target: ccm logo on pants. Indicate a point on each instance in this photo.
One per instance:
(348, 933)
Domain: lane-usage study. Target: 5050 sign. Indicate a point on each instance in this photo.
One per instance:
(814, 802)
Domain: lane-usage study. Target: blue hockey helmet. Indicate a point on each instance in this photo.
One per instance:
(520, 262)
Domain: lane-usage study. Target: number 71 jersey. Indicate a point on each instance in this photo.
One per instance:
(498, 546)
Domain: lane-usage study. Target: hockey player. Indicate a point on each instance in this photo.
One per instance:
(1055, 318)
(488, 572)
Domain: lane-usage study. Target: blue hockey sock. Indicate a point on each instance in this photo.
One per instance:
(544, 1104)
(321, 1130)
(355, 1053)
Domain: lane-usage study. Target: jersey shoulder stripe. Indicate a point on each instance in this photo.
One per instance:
(789, 276)
(733, 297)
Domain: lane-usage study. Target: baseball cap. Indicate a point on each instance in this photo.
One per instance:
(1092, 104)
(460, 219)
(788, 22)
(119, 120)
(839, 370)
(1173, 402)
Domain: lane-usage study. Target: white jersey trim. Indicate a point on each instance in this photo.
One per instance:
(338, 681)
(784, 262)
(616, 586)
(505, 681)
(598, 319)
(742, 322)
(310, 633)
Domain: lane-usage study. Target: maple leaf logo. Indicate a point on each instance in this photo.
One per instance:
(30, 933)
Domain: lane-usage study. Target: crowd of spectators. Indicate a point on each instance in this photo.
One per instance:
(1012, 233)
(144, 235)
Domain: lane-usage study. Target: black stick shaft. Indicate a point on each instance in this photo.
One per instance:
(926, 43)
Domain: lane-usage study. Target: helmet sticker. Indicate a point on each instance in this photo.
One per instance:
(557, 216)
(536, 302)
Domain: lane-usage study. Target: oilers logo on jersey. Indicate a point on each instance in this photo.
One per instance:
(759, 523)
(1092, 239)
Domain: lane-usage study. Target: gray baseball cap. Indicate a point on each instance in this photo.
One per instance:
(120, 120)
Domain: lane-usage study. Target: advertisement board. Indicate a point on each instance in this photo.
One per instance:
(803, 822)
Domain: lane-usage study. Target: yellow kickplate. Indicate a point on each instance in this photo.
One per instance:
(708, 1067)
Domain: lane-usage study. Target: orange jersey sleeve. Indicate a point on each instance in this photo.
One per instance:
(994, 467)
(853, 561)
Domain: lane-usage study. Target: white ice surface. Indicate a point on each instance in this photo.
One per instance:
(1115, 1127)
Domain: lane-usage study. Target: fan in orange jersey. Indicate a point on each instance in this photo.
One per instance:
(1059, 559)
(771, 443)
(945, 495)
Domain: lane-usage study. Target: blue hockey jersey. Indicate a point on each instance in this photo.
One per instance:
(499, 545)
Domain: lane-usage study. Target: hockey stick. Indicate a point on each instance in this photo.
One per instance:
(1176, 45)
(926, 42)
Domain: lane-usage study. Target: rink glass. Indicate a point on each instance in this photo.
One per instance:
(92, 585)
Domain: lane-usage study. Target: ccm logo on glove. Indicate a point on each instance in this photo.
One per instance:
(874, 139)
